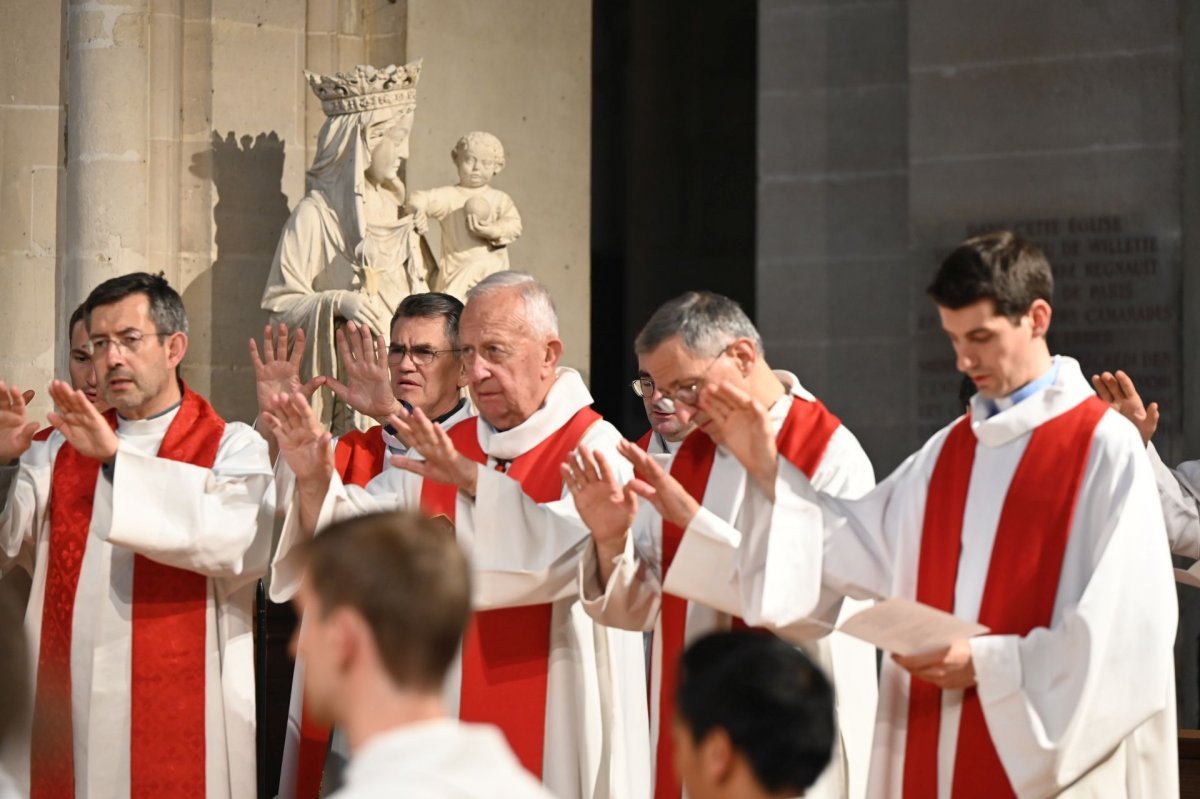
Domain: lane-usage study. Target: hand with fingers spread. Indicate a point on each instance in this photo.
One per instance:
(740, 424)
(277, 371)
(302, 441)
(950, 669)
(442, 463)
(368, 386)
(606, 507)
(81, 423)
(660, 489)
(1119, 392)
(16, 431)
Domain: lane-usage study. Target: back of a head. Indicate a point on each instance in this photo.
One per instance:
(776, 707)
(705, 321)
(540, 312)
(407, 577)
(166, 306)
(431, 305)
(999, 266)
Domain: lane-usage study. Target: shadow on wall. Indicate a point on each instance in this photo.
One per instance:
(250, 212)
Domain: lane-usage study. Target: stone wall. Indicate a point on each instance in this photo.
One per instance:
(177, 135)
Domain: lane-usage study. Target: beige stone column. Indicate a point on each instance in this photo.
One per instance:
(105, 213)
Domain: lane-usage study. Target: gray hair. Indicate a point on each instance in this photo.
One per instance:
(705, 321)
(539, 305)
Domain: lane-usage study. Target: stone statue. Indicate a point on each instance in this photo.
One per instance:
(349, 251)
(478, 222)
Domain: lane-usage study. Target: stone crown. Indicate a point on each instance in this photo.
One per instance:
(366, 88)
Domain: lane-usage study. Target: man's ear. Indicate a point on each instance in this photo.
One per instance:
(745, 353)
(348, 629)
(1040, 313)
(717, 756)
(177, 344)
(554, 351)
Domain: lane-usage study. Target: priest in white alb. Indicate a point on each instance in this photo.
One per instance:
(692, 338)
(569, 695)
(1035, 515)
(142, 529)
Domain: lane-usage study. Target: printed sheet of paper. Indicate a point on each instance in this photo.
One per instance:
(908, 628)
(1188, 577)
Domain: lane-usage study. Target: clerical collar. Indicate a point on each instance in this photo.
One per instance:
(461, 402)
(158, 415)
(1047, 379)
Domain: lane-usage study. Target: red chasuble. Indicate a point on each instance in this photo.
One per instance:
(167, 732)
(358, 456)
(506, 652)
(803, 440)
(644, 442)
(1022, 582)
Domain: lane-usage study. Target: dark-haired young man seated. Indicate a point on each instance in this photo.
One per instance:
(753, 718)
(385, 600)
(1035, 515)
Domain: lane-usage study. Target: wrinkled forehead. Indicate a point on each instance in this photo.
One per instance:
(421, 330)
(496, 316)
(671, 362)
(132, 312)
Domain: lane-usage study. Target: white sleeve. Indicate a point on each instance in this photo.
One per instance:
(633, 595)
(1061, 699)
(25, 491)
(392, 489)
(524, 552)
(208, 521)
(1179, 494)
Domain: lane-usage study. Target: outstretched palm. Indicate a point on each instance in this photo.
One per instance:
(1120, 393)
(602, 502)
(277, 371)
(368, 387)
(302, 442)
(741, 424)
(16, 431)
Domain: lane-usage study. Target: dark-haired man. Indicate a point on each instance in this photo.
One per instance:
(627, 572)
(421, 368)
(1035, 515)
(754, 718)
(386, 598)
(141, 528)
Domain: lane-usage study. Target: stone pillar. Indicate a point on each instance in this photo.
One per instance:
(31, 160)
(105, 214)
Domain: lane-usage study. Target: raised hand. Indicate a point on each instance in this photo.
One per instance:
(16, 431)
(276, 371)
(660, 489)
(1119, 392)
(603, 503)
(740, 423)
(368, 387)
(443, 462)
(82, 425)
(302, 441)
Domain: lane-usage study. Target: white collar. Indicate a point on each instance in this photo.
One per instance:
(1067, 391)
(567, 396)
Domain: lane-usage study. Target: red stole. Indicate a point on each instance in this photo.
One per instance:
(644, 442)
(1022, 582)
(43, 434)
(506, 652)
(167, 680)
(358, 456)
(803, 439)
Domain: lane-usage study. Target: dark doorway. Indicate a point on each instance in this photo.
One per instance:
(674, 168)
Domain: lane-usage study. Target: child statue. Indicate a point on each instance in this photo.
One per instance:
(478, 222)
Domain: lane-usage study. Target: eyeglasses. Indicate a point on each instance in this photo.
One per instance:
(127, 342)
(689, 394)
(421, 356)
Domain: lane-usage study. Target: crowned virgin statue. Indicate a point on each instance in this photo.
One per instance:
(349, 251)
